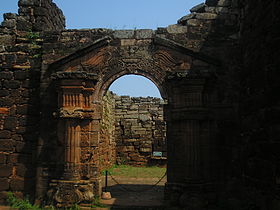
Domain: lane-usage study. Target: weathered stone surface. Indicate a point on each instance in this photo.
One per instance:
(10, 15)
(9, 23)
(138, 120)
(193, 22)
(221, 9)
(177, 29)
(144, 34)
(22, 109)
(198, 8)
(6, 75)
(4, 93)
(17, 184)
(4, 184)
(124, 34)
(6, 102)
(224, 3)
(10, 123)
(6, 40)
(4, 134)
(2, 158)
(7, 145)
(184, 19)
(21, 75)
(210, 9)
(26, 3)
(211, 3)
(6, 170)
(206, 16)
(24, 170)
(14, 84)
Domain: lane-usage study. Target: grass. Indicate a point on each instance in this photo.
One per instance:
(25, 204)
(97, 203)
(22, 204)
(136, 172)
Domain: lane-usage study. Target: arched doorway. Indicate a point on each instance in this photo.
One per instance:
(137, 177)
(83, 78)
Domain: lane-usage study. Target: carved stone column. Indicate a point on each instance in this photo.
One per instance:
(185, 113)
(76, 108)
(72, 150)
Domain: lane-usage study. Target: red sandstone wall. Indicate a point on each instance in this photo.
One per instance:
(20, 64)
(19, 112)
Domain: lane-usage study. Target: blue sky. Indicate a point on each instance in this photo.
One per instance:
(119, 14)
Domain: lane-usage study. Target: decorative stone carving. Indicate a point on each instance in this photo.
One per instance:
(76, 113)
(72, 150)
(67, 194)
(64, 193)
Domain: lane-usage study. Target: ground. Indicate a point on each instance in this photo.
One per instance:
(135, 187)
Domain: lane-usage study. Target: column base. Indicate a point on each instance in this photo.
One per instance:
(66, 193)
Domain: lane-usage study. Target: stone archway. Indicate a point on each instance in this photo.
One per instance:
(82, 79)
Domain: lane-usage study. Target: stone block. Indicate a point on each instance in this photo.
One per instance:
(6, 102)
(22, 109)
(9, 16)
(198, 8)
(6, 145)
(10, 123)
(17, 137)
(4, 93)
(4, 134)
(2, 158)
(211, 3)
(183, 20)
(23, 24)
(210, 9)
(222, 10)
(6, 75)
(4, 184)
(17, 184)
(146, 150)
(21, 75)
(22, 147)
(206, 16)
(144, 34)
(9, 23)
(14, 84)
(23, 170)
(224, 3)
(177, 29)
(6, 170)
(128, 42)
(123, 34)
(25, 3)
(193, 22)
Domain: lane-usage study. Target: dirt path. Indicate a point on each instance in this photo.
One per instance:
(135, 192)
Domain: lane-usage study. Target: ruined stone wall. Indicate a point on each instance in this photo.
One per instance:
(35, 15)
(19, 111)
(140, 130)
(107, 144)
(20, 65)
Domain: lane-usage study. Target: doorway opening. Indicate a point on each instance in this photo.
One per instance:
(136, 173)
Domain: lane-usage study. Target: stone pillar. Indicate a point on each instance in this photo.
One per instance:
(76, 109)
(72, 150)
(185, 112)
